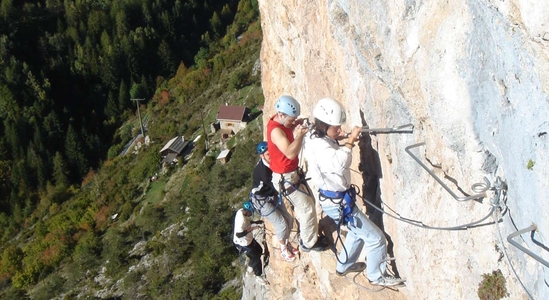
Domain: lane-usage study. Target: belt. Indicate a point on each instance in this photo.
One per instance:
(290, 189)
(331, 194)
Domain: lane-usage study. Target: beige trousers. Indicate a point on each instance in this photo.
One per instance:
(304, 206)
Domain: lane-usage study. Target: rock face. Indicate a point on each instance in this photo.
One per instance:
(473, 79)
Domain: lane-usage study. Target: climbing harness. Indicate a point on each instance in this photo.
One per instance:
(286, 191)
(261, 201)
(346, 201)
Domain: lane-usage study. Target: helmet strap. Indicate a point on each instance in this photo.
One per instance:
(282, 120)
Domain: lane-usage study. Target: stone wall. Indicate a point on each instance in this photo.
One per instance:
(473, 79)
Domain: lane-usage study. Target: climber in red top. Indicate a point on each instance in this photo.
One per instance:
(284, 149)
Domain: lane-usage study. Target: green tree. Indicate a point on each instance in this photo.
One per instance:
(74, 152)
(122, 23)
(11, 260)
(9, 109)
(123, 96)
(167, 58)
(216, 24)
(7, 11)
(226, 14)
(111, 110)
(60, 171)
(138, 91)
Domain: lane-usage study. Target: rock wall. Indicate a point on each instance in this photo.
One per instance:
(473, 79)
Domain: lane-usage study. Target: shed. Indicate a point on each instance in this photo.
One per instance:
(223, 157)
(232, 117)
(173, 148)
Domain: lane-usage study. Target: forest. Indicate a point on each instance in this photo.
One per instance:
(69, 70)
(80, 220)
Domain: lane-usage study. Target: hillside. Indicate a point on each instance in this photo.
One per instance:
(119, 235)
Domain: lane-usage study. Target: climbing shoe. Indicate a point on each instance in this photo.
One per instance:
(388, 280)
(355, 268)
(291, 248)
(287, 255)
(260, 280)
(320, 245)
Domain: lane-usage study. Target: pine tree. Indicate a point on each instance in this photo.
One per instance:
(74, 151)
(167, 58)
(215, 23)
(60, 171)
(111, 110)
(123, 96)
(9, 109)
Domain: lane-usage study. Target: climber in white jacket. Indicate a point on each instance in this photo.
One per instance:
(328, 167)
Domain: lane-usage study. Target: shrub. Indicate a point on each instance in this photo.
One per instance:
(239, 79)
(492, 286)
(114, 151)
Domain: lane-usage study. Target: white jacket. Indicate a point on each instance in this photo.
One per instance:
(241, 224)
(328, 163)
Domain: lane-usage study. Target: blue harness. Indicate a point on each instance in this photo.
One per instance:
(346, 205)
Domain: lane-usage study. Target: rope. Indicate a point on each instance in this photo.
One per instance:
(340, 221)
(380, 288)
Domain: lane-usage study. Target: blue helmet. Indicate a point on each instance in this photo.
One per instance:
(288, 105)
(261, 147)
(248, 206)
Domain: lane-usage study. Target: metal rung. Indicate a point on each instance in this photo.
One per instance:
(408, 128)
(458, 198)
(532, 227)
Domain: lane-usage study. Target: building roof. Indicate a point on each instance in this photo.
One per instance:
(177, 144)
(223, 154)
(231, 113)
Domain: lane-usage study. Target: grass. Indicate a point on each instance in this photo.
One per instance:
(155, 192)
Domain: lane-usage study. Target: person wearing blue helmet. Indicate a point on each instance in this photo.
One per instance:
(285, 134)
(267, 203)
(245, 242)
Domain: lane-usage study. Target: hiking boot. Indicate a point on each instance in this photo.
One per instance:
(291, 248)
(287, 255)
(260, 280)
(320, 245)
(388, 280)
(356, 267)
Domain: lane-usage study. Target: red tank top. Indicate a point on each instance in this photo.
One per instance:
(279, 162)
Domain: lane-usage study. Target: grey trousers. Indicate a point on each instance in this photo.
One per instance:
(278, 216)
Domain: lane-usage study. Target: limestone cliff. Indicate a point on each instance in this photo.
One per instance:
(473, 79)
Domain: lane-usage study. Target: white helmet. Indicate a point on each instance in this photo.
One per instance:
(330, 112)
